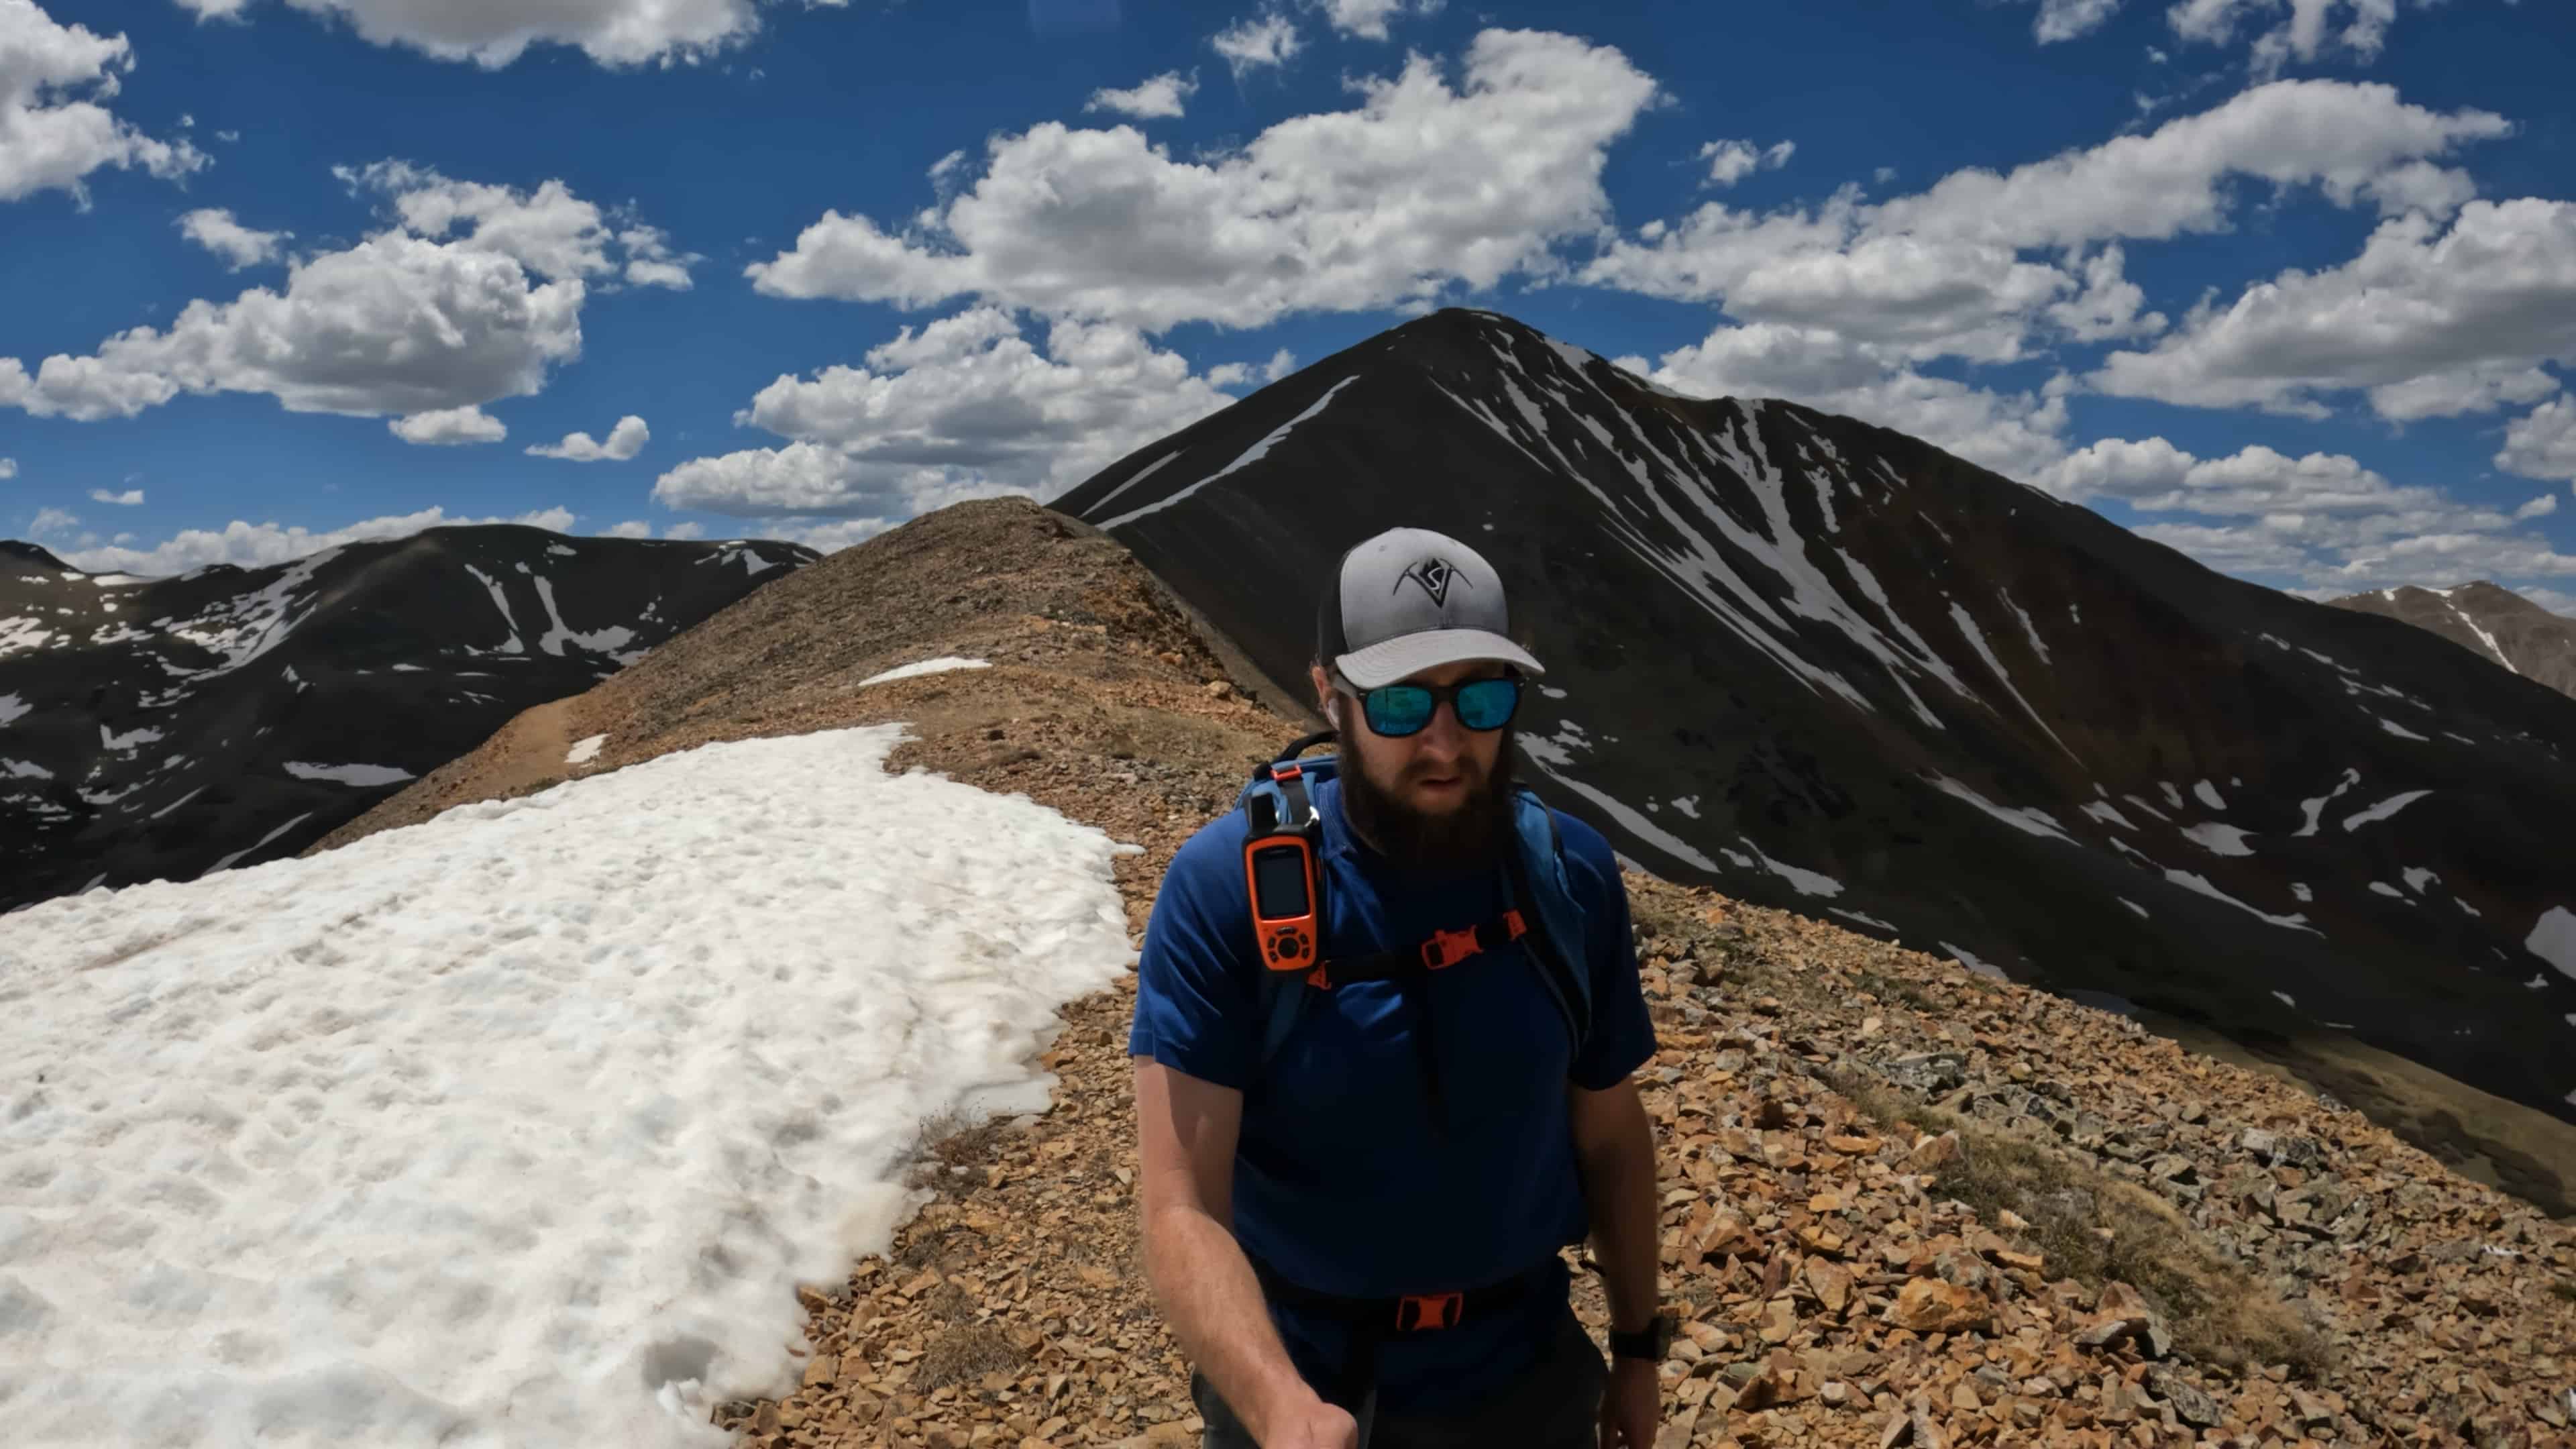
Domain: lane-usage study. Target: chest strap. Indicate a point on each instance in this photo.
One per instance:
(1444, 950)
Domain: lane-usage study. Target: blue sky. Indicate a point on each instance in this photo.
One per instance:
(2290, 284)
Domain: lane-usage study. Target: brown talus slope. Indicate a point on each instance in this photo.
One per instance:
(1903, 1204)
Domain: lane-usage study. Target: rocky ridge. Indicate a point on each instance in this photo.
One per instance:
(1887, 1179)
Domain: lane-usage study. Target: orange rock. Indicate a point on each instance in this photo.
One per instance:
(1928, 1305)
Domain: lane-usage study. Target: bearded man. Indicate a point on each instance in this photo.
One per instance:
(1355, 1232)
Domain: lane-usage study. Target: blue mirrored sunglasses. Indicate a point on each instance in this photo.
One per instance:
(1396, 710)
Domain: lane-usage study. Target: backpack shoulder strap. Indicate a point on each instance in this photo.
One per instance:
(1265, 803)
(1544, 891)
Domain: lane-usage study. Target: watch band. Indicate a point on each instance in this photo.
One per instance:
(1652, 1343)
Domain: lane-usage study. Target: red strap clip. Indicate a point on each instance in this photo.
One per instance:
(1421, 1312)
(1448, 948)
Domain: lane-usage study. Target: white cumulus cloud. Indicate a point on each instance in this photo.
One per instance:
(1731, 161)
(2428, 321)
(2542, 443)
(127, 499)
(493, 33)
(2307, 29)
(1971, 266)
(474, 294)
(53, 131)
(1163, 96)
(1368, 19)
(252, 545)
(2323, 519)
(624, 441)
(8, 468)
(1421, 187)
(966, 407)
(1257, 42)
(214, 229)
(448, 427)
(2071, 19)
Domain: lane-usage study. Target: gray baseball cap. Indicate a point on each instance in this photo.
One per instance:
(1409, 600)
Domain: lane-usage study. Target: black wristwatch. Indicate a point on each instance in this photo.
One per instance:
(1653, 1343)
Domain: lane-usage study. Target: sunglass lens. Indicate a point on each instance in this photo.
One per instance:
(1488, 704)
(1398, 709)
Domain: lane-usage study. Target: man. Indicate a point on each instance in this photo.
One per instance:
(1358, 1235)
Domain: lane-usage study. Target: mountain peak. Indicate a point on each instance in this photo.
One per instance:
(27, 555)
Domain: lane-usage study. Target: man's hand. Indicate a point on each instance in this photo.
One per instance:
(1313, 1424)
(1631, 1405)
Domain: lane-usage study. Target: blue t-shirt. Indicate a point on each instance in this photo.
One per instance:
(1341, 1182)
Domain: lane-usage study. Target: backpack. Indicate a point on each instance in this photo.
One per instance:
(1540, 908)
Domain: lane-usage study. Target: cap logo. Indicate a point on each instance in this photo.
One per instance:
(1433, 576)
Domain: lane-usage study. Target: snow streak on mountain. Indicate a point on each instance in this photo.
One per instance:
(1819, 664)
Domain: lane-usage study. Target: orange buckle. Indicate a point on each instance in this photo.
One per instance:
(1512, 922)
(1286, 772)
(1321, 978)
(1448, 948)
(1422, 1312)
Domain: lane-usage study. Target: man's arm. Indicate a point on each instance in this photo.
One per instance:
(1186, 1132)
(1614, 1146)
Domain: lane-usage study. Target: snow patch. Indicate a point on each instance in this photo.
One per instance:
(2028, 628)
(2417, 877)
(2381, 887)
(940, 665)
(2553, 939)
(1551, 691)
(557, 635)
(24, 770)
(2208, 794)
(1961, 955)
(2299, 888)
(1688, 805)
(2286, 1000)
(2219, 839)
(22, 633)
(2133, 905)
(363, 775)
(175, 804)
(585, 750)
(109, 740)
(13, 709)
(1549, 754)
(2173, 797)
(2315, 807)
(2028, 819)
(2384, 809)
(331, 1144)
(1805, 882)
(1866, 920)
(2201, 884)
(2106, 812)
(501, 601)
(1976, 638)
(226, 862)
(2399, 730)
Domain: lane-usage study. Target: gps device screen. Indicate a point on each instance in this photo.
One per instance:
(1279, 882)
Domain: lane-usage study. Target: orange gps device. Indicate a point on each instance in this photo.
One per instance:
(1279, 869)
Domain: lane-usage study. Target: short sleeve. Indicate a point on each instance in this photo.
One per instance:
(1195, 998)
(1623, 1035)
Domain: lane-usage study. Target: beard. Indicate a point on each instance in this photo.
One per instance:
(1471, 836)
